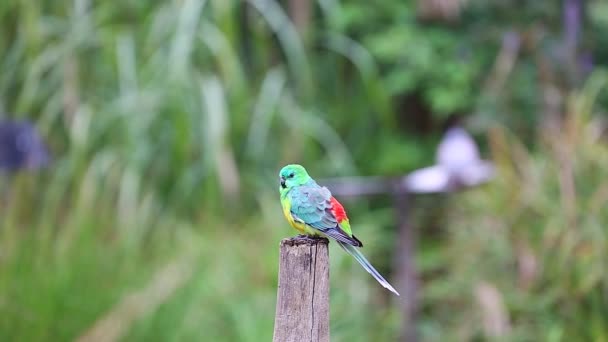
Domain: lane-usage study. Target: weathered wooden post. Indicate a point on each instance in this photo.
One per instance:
(407, 274)
(302, 312)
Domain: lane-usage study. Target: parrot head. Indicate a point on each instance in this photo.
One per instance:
(293, 175)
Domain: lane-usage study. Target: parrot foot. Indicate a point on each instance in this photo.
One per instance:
(303, 239)
(309, 237)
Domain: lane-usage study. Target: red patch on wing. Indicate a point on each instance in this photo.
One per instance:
(338, 210)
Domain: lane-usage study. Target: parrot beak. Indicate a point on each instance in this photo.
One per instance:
(282, 180)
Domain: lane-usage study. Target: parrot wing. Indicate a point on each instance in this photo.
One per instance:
(313, 206)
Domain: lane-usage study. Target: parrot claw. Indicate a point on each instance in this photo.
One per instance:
(308, 237)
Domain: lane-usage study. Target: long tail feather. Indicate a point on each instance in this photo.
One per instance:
(368, 267)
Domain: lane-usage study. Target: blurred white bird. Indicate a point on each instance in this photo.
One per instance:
(457, 166)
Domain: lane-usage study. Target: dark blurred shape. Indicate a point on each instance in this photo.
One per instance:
(572, 23)
(21, 147)
(573, 26)
(440, 10)
(585, 63)
(458, 165)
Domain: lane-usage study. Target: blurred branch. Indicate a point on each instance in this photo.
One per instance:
(494, 314)
(504, 63)
(527, 265)
(359, 186)
(71, 97)
(300, 12)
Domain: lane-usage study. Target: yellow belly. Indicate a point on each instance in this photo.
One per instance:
(299, 226)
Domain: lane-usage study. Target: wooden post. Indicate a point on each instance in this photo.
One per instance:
(302, 312)
(405, 268)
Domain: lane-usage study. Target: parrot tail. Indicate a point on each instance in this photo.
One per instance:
(352, 250)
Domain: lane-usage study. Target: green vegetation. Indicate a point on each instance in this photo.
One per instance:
(169, 121)
(536, 235)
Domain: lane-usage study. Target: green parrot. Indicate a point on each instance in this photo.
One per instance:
(313, 211)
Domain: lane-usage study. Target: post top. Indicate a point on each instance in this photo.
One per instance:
(304, 241)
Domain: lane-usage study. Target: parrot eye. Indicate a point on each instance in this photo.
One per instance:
(291, 175)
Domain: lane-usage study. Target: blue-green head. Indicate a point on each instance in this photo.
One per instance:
(292, 175)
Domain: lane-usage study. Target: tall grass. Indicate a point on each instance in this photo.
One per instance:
(527, 254)
(158, 218)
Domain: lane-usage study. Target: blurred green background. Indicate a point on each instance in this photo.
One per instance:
(159, 218)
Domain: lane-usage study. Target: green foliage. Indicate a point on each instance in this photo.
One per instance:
(169, 120)
(166, 139)
(453, 64)
(415, 58)
(536, 235)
